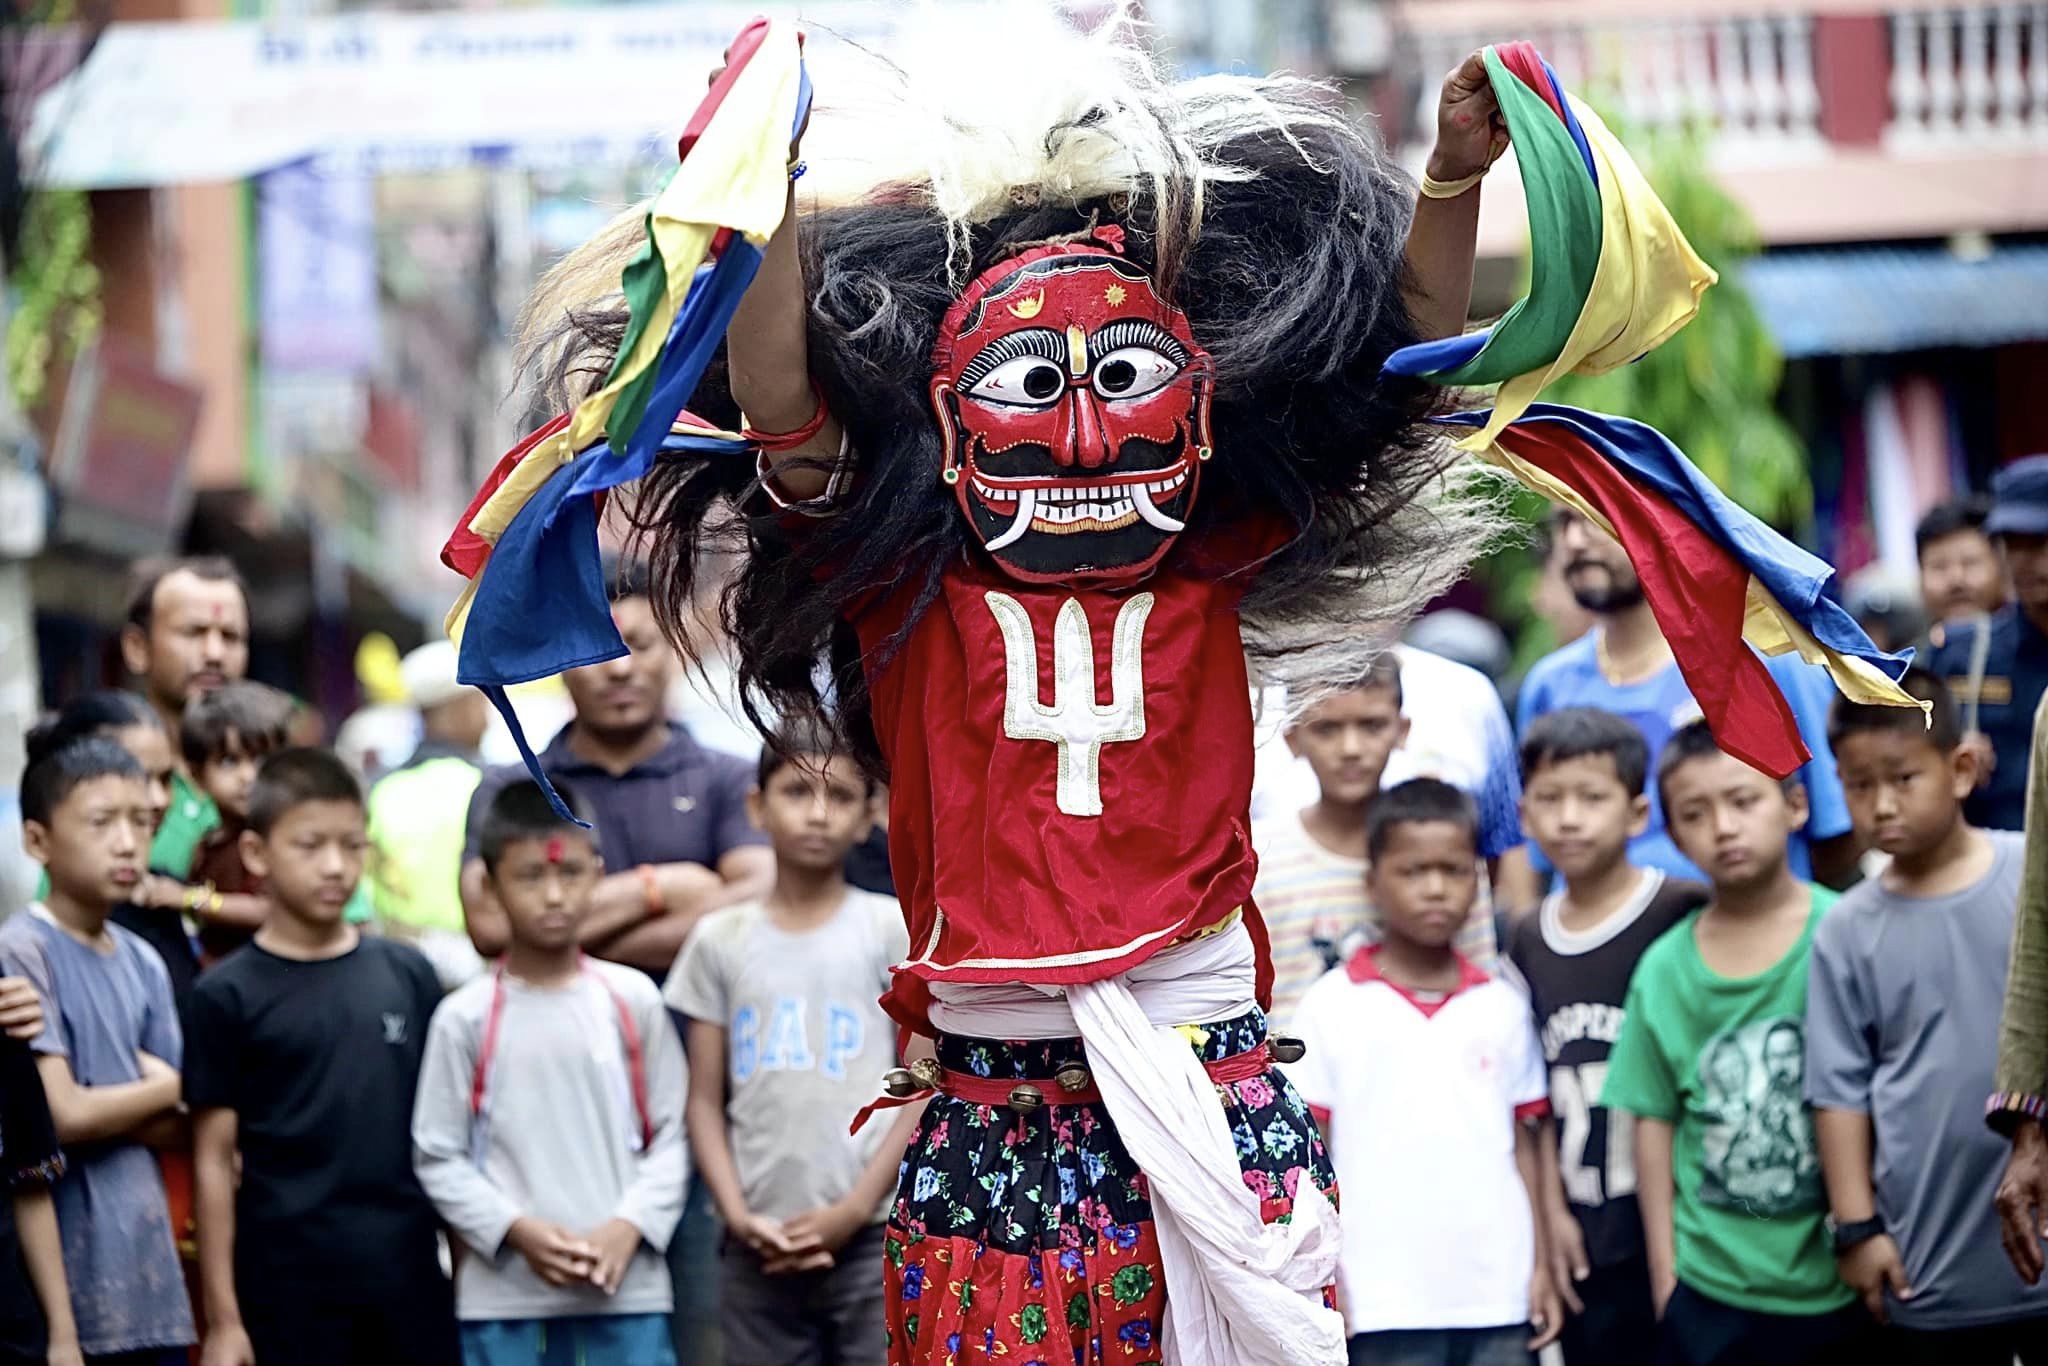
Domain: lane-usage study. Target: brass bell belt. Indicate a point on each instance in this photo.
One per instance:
(1070, 1083)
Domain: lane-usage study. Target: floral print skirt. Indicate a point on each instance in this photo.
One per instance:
(1028, 1238)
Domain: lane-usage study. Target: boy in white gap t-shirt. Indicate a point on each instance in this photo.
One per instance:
(787, 1041)
(1427, 1079)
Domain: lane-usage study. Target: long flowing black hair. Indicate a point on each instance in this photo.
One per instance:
(1270, 218)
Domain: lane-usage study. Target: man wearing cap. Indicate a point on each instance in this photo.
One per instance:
(417, 812)
(1998, 672)
(1961, 578)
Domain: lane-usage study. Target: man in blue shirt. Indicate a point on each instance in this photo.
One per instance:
(1624, 666)
(1997, 667)
(671, 815)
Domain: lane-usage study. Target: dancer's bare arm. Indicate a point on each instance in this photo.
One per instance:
(771, 375)
(1444, 238)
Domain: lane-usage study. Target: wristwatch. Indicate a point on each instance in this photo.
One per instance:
(1845, 1236)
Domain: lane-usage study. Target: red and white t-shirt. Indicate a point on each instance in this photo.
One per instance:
(1423, 1096)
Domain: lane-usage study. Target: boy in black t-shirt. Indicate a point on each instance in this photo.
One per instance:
(1583, 773)
(303, 1050)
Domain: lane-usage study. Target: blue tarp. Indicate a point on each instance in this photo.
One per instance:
(1875, 300)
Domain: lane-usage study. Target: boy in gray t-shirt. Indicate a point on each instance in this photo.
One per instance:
(1901, 1033)
(786, 1043)
(110, 1047)
(547, 1129)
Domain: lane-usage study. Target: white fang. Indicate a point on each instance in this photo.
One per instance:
(1075, 722)
(1027, 501)
(1154, 518)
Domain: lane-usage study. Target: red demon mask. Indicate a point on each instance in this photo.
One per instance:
(1074, 403)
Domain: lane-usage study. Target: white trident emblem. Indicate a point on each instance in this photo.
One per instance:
(1075, 721)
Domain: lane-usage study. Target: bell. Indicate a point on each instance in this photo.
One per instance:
(1286, 1048)
(1026, 1098)
(898, 1083)
(928, 1073)
(1072, 1076)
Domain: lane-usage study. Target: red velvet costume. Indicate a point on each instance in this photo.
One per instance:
(1068, 729)
(998, 881)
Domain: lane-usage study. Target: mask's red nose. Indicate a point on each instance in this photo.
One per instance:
(1081, 439)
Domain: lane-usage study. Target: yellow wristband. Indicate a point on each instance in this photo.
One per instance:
(1432, 188)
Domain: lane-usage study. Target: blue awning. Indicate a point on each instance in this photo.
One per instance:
(1874, 300)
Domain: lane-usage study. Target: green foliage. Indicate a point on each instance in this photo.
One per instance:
(1712, 388)
(55, 305)
(56, 287)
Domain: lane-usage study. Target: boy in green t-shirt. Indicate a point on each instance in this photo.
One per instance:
(1711, 1061)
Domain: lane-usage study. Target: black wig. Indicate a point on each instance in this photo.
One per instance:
(1264, 213)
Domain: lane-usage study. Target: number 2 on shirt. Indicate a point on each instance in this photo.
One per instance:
(1569, 1089)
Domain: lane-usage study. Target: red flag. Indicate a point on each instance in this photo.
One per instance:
(1696, 589)
(465, 551)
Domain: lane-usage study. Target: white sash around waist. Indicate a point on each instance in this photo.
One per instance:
(1240, 1292)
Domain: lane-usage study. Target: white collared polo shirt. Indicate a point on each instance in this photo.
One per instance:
(1423, 1095)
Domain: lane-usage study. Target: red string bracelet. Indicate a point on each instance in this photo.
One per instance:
(789, 441)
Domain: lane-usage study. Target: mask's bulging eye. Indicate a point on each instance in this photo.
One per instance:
(1134, 372)
(1042, 381)
(1027, 381)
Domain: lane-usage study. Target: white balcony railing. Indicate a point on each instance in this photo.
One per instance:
(1969, 76)
(1748, 79)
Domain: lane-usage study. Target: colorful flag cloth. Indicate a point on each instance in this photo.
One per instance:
(535, 605)
(1613, 277)
(1717, 580)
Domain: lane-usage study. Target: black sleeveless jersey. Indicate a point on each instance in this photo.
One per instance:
(1577, 984)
